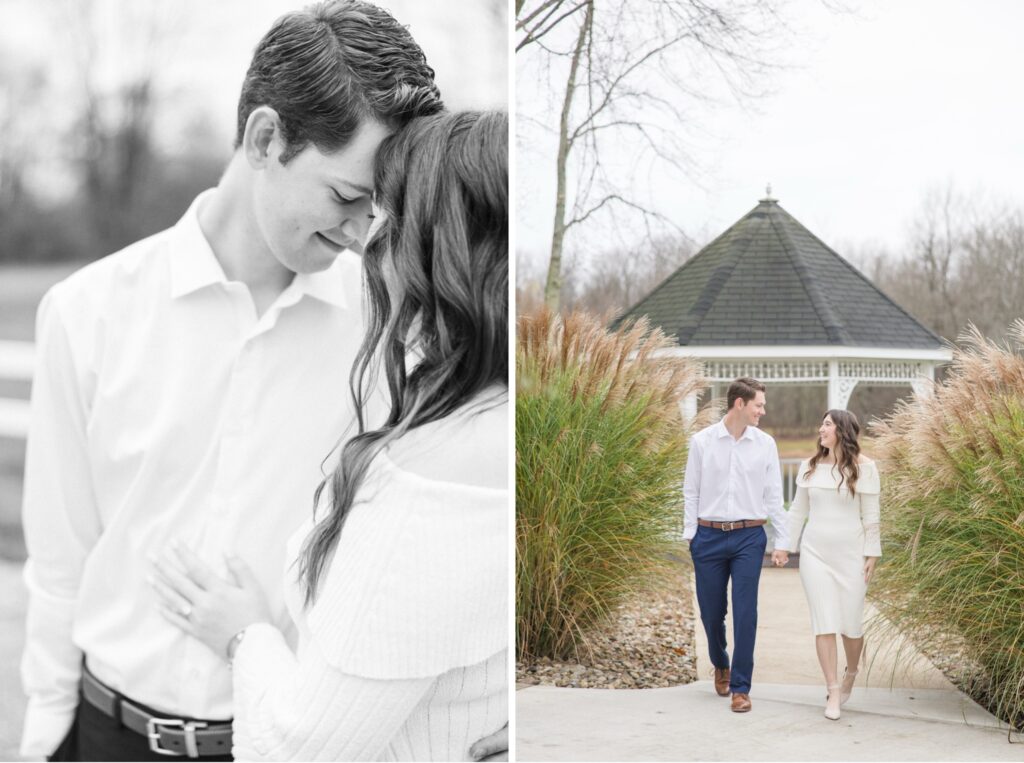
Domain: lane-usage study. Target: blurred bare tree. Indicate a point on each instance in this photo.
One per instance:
(119, 53)
(963, 264)
(21, 106)
(608, 281)
(85, 130)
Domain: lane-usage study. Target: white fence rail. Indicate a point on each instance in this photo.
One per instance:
(17, 360)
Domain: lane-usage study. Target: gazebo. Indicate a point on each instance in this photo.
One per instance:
(769, 299)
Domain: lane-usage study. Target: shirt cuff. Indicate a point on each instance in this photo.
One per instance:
(262, 660)
(44, 730)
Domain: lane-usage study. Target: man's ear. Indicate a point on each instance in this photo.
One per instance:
(262, 139)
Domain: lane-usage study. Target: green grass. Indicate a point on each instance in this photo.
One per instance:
(600, 451)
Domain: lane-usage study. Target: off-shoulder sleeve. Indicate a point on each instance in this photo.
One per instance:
(419, 582)
(798, 510)
(868, 489)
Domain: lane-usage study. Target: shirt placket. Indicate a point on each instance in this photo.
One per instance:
(235, 434)
(730, 504)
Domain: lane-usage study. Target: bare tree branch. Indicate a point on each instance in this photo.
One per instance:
(637, 71)
(547, 24)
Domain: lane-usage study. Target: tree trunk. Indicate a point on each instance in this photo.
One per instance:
(553, 286)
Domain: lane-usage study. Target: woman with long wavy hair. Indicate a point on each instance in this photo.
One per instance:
(399, 586)
(837, 495)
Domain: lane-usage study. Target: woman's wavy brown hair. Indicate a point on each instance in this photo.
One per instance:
(442, 183)
(847, 449)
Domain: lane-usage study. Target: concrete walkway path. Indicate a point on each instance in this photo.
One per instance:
(910, 713)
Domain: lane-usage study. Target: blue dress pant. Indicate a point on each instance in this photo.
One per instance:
(717, 556)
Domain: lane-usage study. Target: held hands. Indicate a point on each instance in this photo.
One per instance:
(869, 568)
(203, 604)
(780, 558)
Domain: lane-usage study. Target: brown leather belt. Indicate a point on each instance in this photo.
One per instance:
(179, 737)
(727, 526)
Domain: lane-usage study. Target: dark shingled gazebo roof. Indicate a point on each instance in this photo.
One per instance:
(769, 281)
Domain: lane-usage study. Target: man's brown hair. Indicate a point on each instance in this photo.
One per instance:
(744, 389)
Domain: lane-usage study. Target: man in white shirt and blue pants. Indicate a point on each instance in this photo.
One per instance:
(733, 486)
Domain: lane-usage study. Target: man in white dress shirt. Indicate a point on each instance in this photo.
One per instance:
(189, 387)
(733, 486)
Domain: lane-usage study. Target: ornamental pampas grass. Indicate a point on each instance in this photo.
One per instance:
(952, 572)
(600, 455)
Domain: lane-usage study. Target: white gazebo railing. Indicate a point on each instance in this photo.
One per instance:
(839, 368)
(16, 363)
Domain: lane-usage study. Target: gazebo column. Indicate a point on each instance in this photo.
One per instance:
(715, 392)
(688, 407)
(840, 388)
(922, 385)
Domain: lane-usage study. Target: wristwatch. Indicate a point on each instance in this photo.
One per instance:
(233, 644)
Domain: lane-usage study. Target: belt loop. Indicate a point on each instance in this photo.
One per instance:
(191, 748)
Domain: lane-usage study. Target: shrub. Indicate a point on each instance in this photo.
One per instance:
(953, 518)
(600, 455)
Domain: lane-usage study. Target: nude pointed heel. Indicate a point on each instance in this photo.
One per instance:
(844, 694)
(832, 715)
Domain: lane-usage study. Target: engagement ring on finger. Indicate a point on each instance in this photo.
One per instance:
(186, 611)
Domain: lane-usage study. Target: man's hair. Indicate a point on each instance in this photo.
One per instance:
(744, 389)
(330, 66)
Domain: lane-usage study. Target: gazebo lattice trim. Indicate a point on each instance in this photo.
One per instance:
(840, 376)
(891, 372)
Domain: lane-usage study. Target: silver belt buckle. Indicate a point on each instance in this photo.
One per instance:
(731, 526)
(189, 727)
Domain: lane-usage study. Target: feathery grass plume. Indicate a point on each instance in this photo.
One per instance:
(600, 455)
(952, 575)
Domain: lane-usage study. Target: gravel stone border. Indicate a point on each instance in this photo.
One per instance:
(648, 643)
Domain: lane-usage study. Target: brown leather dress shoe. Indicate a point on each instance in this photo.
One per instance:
(722, 681)
(740, 703)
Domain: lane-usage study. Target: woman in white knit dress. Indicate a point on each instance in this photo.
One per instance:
(837, 495)
(399, 586)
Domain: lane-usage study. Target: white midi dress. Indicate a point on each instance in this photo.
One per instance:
(841, 530)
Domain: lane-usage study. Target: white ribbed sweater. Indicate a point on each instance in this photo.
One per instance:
(404, 654)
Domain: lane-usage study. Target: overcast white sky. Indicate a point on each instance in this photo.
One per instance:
(884, 104)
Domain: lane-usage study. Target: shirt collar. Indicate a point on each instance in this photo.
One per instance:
(194, 265)
(723, 431)
(328, 285)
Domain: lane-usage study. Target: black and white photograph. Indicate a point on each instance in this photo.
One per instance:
(254, 380)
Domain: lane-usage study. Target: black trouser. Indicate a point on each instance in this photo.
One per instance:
(96, 736)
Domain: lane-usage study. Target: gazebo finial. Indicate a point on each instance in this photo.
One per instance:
(768, 193)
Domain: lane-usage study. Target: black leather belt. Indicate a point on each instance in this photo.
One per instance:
(179, 737)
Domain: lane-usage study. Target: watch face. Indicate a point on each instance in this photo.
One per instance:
(233, 644)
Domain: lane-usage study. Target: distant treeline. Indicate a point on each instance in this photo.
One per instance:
(102, 218)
